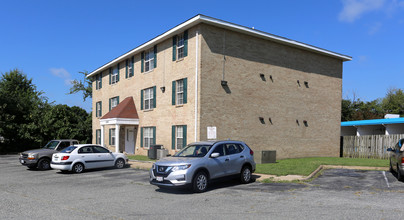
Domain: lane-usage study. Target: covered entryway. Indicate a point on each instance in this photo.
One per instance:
(124, 116)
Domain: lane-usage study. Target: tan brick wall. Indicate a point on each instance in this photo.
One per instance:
(165, 114)
(236, 113)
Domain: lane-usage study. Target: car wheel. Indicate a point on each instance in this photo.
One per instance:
(391, 168)
(119, 164)
(200, 182)
(245, 175)
(78, 168)
(400, 176)
(44, 164)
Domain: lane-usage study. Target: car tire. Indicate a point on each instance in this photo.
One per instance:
(391, 168)
(78, 168)
(400, 176)
(44, 164)
(200, 182)
(120, 163)
(245, 175)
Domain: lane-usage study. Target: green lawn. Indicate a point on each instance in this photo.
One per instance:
(139, 157)
(305, 166)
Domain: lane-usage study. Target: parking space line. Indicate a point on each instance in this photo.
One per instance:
(385, 178)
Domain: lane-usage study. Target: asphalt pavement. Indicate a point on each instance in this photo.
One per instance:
(127, 194)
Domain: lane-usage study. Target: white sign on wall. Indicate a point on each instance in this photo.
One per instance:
(211, 133)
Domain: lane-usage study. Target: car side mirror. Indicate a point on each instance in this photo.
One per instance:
(214, 155)
(389, 149)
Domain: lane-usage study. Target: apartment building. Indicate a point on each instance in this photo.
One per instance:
(211, 79)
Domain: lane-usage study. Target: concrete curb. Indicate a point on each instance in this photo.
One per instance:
(146, 165)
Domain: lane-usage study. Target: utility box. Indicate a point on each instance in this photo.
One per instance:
(268, 156)
(161, 153)
(152, 152)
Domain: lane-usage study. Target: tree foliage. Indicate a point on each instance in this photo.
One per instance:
(28, 120)
(84, 86)
(355, 109)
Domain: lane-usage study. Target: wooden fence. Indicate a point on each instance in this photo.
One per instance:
(369, 146)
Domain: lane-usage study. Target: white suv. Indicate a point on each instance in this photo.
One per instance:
(200, 162)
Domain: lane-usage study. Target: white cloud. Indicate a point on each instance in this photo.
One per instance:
(354, 9)
(62, 73)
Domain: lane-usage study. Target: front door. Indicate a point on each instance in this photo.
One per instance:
(130, 140)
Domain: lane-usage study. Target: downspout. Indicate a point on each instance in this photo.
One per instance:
(196, 83)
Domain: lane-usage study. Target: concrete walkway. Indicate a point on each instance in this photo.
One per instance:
(146, 165)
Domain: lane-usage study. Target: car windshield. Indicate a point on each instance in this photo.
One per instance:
(51, 145)
(68, 149)
(193, 151)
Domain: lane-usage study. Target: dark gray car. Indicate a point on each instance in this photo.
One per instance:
(41, 158)
(397, 160)
(200, 162)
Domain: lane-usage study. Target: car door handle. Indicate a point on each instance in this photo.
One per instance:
(241, 156)
(227, 159)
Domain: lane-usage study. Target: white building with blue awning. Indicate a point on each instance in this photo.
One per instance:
(386, 126)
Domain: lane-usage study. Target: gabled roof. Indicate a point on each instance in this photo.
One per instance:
(373, 122)
(223, 24)
(125, 109)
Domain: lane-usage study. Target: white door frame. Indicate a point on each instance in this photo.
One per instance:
(130, 139)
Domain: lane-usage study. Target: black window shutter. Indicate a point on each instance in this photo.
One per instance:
(141, 99)
(185, 43)
(133, 69)
(155, 56)
(184, 136)
(174, 48)
(173, 95)
(154, 135)
(110, 75)
(100, 81)
(142, 63)
(173, 137)
(126, 69)
(185, 90)
(154, 97)
(117, 78)
(110, 104)
(141, 137)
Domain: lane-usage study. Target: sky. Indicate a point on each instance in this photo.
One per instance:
(53, 41)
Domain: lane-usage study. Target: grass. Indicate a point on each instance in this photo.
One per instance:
(139, 157)
(305, 166)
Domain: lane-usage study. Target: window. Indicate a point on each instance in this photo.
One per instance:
(179, 137)
(98, 81)
(129, 67)
(98, 136)
(98, 109)
(148, 97)
(86, 150)
(179, 96)
(180, 46)
(148, 137)
(149, 60)
(98, 149)
(63, 145)
(114, 75)
(113, 102)
(112, 136)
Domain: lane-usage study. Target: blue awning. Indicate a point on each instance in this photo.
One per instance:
(373, 122)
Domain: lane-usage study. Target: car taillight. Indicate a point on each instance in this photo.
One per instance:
(402, 160)
(251, 152)
(65, 157)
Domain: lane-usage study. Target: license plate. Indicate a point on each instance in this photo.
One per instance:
(22, 161)
(160, 178)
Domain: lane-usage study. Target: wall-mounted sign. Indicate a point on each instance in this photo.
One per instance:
(211, 133)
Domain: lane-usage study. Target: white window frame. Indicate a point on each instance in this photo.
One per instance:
(149, 60)
(114, 102)
(179, 99)
(148, 98)
(114, 75)
(98, 109)
(113, 139)
(130, 70)
(147, 137)
(98, 81)
(179, 137)
(180, 46)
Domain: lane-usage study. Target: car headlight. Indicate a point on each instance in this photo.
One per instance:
(32, 156)
(181, 167)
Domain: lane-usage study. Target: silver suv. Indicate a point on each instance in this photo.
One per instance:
(200, 162)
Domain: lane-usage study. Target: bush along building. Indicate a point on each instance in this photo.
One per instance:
(211, 79)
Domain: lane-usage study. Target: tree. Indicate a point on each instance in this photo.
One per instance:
(84, 86)
(20, 105)
(393, 103)
(358, 110)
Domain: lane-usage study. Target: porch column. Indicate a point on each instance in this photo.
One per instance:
(102, 136)
(117, 127)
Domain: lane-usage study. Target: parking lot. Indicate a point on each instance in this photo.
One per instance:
(127, 194)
